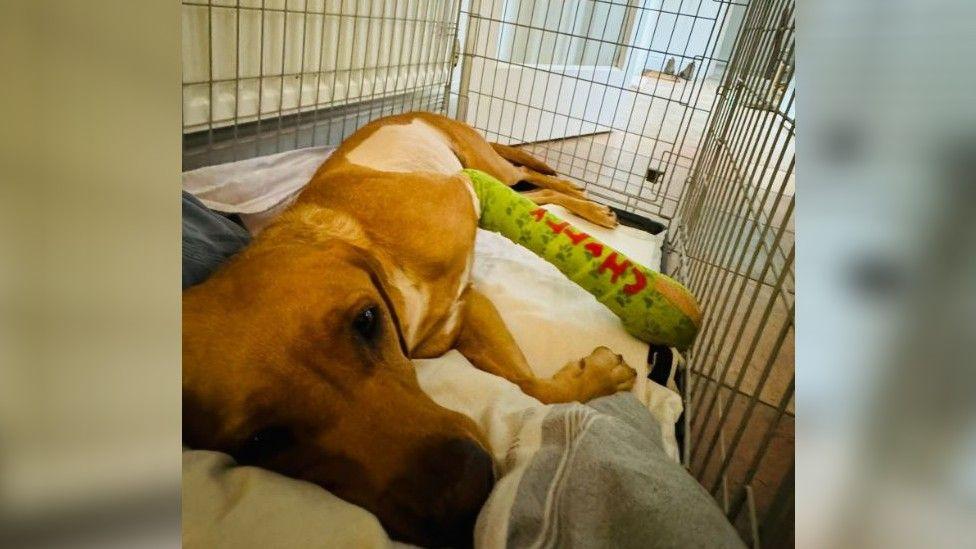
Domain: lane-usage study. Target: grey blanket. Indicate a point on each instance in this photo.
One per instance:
(600, 478)
(208, 240)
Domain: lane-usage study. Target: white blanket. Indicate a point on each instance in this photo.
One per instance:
(554, 321)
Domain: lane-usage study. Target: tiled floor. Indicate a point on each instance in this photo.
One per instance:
(767, 431)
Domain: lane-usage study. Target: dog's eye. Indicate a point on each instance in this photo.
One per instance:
(263, 444)
(367, 322)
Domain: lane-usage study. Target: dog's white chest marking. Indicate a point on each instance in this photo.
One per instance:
(413, 147)
(465, 277)
(454, 313)
(474, 196)
(416, 301)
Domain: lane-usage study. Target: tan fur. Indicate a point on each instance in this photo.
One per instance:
(269, 340)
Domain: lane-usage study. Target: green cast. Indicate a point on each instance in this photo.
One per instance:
(653, 307)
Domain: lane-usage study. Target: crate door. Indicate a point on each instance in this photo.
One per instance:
(542, 70)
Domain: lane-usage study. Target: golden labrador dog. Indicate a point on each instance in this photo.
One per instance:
(296, 353)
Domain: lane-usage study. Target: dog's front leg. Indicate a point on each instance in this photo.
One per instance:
(486, 342)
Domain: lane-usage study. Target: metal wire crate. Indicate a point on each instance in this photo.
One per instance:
(678, 110)
(733, 245)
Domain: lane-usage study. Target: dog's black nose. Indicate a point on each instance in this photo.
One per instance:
(445, 493)
(462, 485)
(475, 475)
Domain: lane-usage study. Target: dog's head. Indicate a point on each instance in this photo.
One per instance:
(293, 361)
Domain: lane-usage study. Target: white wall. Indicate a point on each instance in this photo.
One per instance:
(595, 28)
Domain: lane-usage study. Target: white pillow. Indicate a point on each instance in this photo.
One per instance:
(256, 188)
(229, 506)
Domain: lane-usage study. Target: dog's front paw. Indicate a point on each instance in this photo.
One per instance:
(601, 373)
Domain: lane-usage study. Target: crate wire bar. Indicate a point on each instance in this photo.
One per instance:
(677, 110)
(265, 76)
(733, 245)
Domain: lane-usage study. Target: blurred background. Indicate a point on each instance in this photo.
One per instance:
(89, 274)
(886, 266)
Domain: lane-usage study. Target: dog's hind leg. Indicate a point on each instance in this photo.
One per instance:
(537, 172)
(508, 164)
(587, 209)
(486, 342)
(520, 157)
(549, 182)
